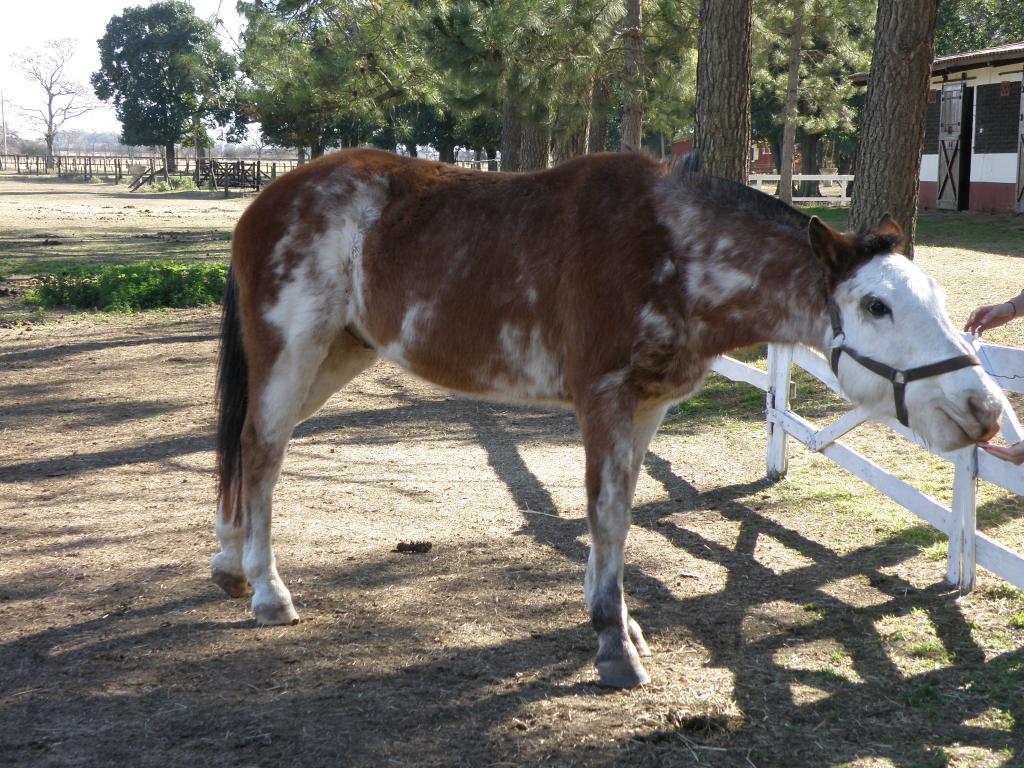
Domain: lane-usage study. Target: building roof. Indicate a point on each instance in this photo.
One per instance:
(1009, 53)
(1000, 54)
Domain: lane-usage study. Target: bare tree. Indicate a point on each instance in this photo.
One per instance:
(722, 130)
(888, 164)
(65, 98)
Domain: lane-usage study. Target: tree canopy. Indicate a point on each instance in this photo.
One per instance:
(542, 80)
(971, 25)
(164, 70)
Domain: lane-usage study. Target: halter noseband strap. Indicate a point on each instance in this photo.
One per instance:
(899, 378)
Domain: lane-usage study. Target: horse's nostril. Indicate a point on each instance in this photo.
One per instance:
(984, 410)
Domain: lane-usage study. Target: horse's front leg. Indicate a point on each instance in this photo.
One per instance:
(615, 438)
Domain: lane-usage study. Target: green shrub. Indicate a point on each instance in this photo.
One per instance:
(174, 184)
(131, 287)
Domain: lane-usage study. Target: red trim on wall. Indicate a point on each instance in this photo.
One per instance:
(684, 147)
(926, 197)
(992, 197)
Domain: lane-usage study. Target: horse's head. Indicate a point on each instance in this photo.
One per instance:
(894, 349)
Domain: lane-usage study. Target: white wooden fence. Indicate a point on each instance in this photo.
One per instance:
(967, 547)
(757, 180)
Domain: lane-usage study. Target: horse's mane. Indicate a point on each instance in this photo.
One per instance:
(731, 197)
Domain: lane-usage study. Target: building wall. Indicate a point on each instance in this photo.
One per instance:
(993, 150)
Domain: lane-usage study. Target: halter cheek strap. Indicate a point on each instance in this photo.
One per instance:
(899, 377)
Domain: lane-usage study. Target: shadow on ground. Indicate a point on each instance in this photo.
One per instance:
(478, 655)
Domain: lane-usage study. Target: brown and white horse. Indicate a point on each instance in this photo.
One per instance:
(607, 284)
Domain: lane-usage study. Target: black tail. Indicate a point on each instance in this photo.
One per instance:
(232, 404)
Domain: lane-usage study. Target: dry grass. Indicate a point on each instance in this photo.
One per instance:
(805, 623)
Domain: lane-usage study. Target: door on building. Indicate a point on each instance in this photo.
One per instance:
(955, 130)
(1020, 154)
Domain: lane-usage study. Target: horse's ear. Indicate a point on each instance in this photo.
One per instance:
(889, 230)
(888, 226)
(831, 247)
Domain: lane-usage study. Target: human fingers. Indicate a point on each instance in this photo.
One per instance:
(1011, 453)
(976, 323)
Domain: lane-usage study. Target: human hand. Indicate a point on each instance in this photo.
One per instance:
(990, 316)
(1012, 453)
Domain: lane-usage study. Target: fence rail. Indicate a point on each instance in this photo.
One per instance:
(967, 547)
(150, 167)
(842, 180)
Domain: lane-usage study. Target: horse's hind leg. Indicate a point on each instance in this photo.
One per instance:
(300, 381)
(615, 437)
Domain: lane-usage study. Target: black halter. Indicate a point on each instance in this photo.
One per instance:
(899, 378)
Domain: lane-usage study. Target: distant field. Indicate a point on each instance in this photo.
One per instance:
(47, 224)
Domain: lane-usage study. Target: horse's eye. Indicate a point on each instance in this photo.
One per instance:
(877, 307)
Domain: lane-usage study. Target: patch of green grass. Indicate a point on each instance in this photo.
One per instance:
(928, 649)
(920, 535)
(923, 697)
(937, 551)
(131, 287)
(1003, 590)
(173, 184)
(1017, 620)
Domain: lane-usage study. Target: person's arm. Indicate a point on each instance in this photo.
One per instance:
(994, 315)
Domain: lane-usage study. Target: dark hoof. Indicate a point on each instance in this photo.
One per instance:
(234, 584)
(276, 615)
(637, 636)
(622, 673)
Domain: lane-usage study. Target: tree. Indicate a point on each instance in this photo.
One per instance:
(65, 99)
(633, 45)
(789, 115)
(166, 73)
(323, 73)
(835, 41)
(722, 131)
(892, 135)
(971, 25)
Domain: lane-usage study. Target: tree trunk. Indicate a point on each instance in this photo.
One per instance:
(809, 163)
(302, 154)
(492, 158)
(511, 134)
(888, 164)
(536, 145)
(570, 132)
(599, 105)
(410, 147)
(446, 141)
(789, 116)
(170, 164)
(722, 130)
(633, 105)
(317, 148)
(776, 155)
(49, 150)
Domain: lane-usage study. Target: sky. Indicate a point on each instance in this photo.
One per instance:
(25, 26)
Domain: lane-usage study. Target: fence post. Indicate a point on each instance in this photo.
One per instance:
(961, 559)
(780, 360)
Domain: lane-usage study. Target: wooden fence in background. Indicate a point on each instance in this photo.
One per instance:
(239, 174)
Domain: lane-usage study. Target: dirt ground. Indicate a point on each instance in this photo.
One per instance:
(786, 632)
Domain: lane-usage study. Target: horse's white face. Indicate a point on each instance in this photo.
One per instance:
(893, 312)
